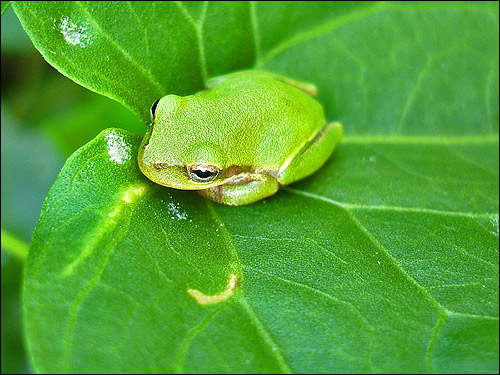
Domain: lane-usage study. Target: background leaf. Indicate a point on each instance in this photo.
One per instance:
(13, 358)
(29, 165)
(5, 5)
(386, 260)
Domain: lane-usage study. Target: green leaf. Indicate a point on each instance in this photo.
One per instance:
(5, 5)
(385, 260)
(29, 165)
(361, 286)
(13, 357)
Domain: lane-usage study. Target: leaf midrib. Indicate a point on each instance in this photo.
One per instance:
(146, 73)
(485, 139)
(278, 355)
(198, 30)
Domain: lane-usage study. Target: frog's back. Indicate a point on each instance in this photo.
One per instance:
(256, 120)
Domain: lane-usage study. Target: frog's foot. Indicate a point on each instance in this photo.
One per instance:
(307, 87)
(313, 155)
(245, 189)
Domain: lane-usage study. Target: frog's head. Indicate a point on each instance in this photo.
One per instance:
(176, 152)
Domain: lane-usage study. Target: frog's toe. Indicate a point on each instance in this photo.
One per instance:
(258, 187)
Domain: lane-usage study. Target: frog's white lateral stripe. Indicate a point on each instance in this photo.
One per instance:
(108, 222)
(203, 299)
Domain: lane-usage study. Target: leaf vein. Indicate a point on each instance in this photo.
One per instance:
(412, 94)
(153, 259)
(178, 254)
(422, 140)
(255, 30)
(320, 30)
(471, 162)
(179, 358)
(379, 246)
(266, 337)
(488, 93)
(353, 206)
(430, 346)
(396, 264)
(349, 305)
(494, 266)
(72, 316)
(198, 30)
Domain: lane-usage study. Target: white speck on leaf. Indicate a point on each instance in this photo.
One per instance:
(118, 149)
(175, 210)
(494, 222)
(75, 34)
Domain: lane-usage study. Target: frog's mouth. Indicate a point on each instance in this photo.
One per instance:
(176, 175)
(235, 172)
(169, 175)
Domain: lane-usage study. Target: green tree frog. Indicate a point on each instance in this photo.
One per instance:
(241, 139)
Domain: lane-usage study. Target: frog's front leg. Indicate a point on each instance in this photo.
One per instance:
(312, 155)
(244, 189)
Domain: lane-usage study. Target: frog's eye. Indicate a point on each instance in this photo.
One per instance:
(153, 109)
(202, 172)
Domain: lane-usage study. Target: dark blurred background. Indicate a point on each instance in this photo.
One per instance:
(45, 118)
